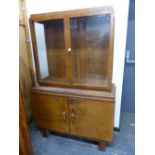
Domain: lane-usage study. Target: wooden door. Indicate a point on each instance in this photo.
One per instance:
(25, 147)
(48, 38)
(25, 63)
(91, 119)
(50, 112)
(91, 46)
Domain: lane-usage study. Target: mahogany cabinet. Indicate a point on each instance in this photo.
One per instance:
(73, 53)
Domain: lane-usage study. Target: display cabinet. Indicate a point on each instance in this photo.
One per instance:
(74, 49)
(73, 53)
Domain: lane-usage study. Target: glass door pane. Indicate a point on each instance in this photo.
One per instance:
(51, 50)
(90, 47)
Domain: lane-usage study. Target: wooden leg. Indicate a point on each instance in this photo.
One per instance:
(45, 132)
(102, 145)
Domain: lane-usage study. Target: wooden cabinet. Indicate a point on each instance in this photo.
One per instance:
(88, 114)
(73, 53)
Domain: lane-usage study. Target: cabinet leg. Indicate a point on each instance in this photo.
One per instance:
(102, 145)
(45, 132)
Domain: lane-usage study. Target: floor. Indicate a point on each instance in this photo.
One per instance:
(123, 144)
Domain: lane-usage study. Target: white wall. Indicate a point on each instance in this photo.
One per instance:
(121, 17)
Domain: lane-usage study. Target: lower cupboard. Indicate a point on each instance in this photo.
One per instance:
(88, 117)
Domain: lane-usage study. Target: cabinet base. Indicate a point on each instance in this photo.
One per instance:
(101, 144)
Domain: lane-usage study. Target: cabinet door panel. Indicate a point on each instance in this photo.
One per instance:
(90, 43)
(92, 119)
(51, 56)
(51, 112)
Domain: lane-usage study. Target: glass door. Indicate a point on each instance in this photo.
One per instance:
(50, 53)
(90, 45)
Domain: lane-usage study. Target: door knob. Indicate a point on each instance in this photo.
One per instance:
(69, 50)
(72, 117)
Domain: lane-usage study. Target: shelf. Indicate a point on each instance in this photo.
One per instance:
(55, 79)
(92, 82)
(84, 82)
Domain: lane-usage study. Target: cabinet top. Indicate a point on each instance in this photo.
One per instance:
(72, 13)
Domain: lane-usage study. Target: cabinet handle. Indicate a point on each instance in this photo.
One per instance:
(72, 117)
(64, 115)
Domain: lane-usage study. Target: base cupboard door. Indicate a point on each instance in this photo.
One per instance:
(91, 118)
(51, 112)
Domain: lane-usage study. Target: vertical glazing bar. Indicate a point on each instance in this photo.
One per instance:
(68, 49)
